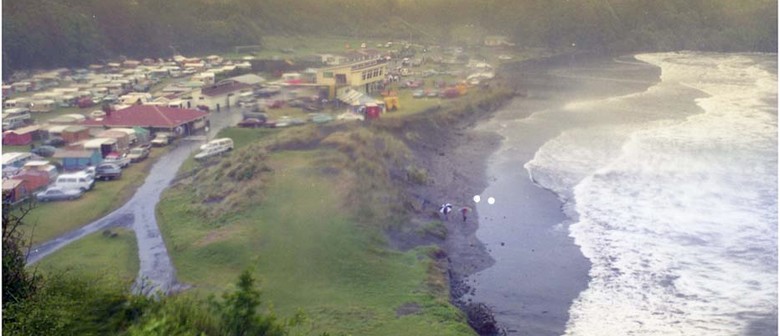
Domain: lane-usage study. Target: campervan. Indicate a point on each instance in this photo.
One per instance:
(226, 143)
(12, 162)
(16, 159)
(14, 118)
(79, 180)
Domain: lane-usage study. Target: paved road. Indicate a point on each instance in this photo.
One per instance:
(156, 273)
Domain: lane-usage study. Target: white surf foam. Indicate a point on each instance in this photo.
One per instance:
(678, 218)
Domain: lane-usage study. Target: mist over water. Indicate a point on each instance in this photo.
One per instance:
(675, 204)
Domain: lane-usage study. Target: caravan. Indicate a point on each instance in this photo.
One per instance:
(43, 105)
(226, 143)
(215, 147)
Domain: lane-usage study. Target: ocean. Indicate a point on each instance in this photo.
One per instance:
(663, 172)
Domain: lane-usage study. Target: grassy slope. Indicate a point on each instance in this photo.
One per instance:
(97, 255)
(310, 255)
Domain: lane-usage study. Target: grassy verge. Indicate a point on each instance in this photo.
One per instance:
(46, 220)
(108, 256)
(310, 253)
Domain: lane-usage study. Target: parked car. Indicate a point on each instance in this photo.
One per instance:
(138, 154)
(297, 102)
(321, 118)
(13, 124)
(312, 107)
(276, 104)
(268, 91)
(44, 151)
(288, 121)
(89, 171)
(254, 114)
(58, 194)
(97, 114)
(85, 102)
(116, 158)
(251, 123)
(418, 94)
(54, 142)
(161, 140)
(108, 171)
(350, 116)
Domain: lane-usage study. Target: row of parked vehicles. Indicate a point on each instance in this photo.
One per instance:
(71, 186)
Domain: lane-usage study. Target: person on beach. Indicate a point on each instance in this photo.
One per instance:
(445, 210)
(464, 211)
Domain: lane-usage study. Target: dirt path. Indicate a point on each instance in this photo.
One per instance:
(156, 274)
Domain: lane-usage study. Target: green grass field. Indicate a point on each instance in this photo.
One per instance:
(298, 46)
(308, 253)
(49, 220)
(97, 255)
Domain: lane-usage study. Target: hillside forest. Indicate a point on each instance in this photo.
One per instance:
(55, 33)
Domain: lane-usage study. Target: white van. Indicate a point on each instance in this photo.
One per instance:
(211, 151)
(226, 143)
(79, 180)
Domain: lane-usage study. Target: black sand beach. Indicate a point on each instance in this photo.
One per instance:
(518, 258)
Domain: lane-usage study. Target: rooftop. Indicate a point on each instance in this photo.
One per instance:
(147, 116)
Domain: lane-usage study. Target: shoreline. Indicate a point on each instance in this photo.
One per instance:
(456, 156)
(459, 161)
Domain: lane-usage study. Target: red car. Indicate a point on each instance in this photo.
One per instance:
(85, 102)
(251, 123)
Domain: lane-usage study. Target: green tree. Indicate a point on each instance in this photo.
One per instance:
(18, 284)
(239, 311)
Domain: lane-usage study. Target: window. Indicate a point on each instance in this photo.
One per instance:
(327, 74)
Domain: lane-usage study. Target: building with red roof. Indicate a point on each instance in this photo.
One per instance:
(154, 118)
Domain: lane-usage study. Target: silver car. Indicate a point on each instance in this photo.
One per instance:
(58, 194)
